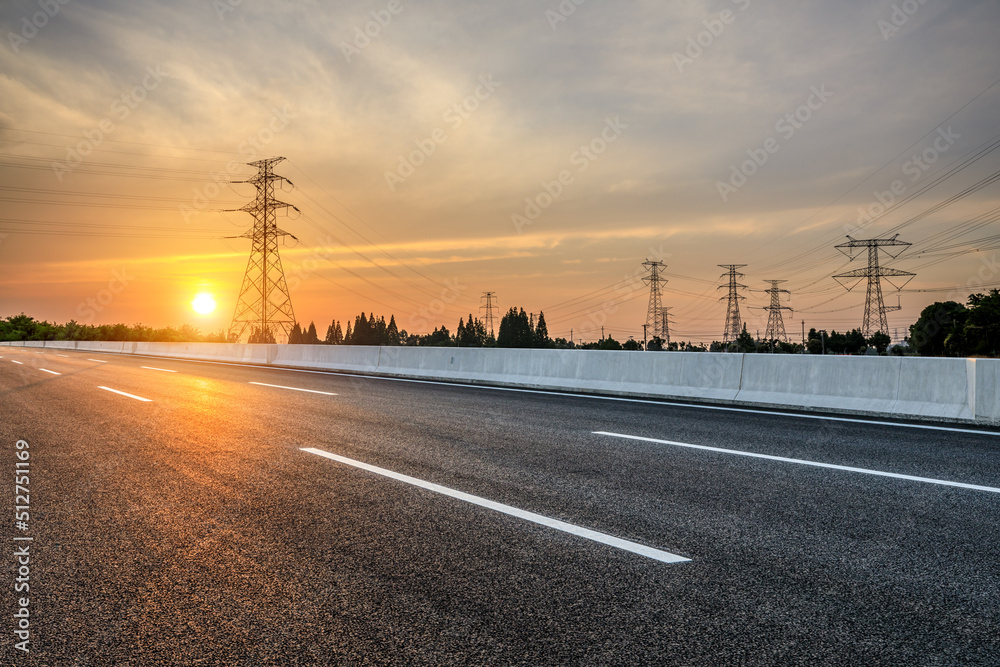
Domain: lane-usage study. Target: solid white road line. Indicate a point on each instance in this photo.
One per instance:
(138, 398)
(19, 363)
(98, 361)
(816, 464)
(46, 370)
(278, 386)
(150, 368)
(603, 538)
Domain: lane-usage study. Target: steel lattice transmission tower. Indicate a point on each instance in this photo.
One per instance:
(264, 307)
(775, 321)
(733, 323)
(489, 307)
(654, 314)
(665, 312)
(875, 308)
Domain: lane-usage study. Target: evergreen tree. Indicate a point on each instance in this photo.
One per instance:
(392, 332)
(349, 336)
(295, 336)
(542, 332)
(311, 337)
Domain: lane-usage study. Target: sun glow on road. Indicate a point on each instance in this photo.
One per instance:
(203, 304)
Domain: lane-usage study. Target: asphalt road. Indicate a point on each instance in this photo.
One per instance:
(193, 528)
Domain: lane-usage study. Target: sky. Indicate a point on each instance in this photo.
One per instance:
(541, 150)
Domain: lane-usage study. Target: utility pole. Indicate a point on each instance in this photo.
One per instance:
(644, 336)
(264, 307)
(875, 308)
(490, 298)
(666, 323)
(803, 336)
(733, 323)
(775, 322)
(654, 317)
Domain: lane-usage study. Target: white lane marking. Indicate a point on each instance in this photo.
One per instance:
(98, 361)
(866, 471)
(19, 363)
(150, 368)
(46, 370)
(63, 355)
(278, 386)
(699, 406)
(603, 538)
(138, 398)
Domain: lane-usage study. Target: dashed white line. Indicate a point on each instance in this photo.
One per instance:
(46, 370)
(63, 355)
(603, 538)
(19, 363)
(98, 361)
(164, 370)
(278, 386)
(816, 464)
(138, 398)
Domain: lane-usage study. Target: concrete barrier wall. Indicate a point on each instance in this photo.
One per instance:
(963, 390)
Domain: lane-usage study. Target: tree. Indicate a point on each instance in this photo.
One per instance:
(515, 330)
(334, 335)
(982, 326)
(632, 345)
(310, 337)
(937, 321)
(542, 332)
(880, 341)
(295, 336)
(392, 332)
(745, 342)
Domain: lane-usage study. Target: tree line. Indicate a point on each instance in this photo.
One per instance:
(944, 329)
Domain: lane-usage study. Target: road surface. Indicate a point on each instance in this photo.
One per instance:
(197, 514)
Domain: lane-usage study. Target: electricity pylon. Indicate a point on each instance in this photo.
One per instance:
(733, 322)
(490, 306)
(665, 311)
(264, 307)
(775, 322)
(654, 314)
(875, 308)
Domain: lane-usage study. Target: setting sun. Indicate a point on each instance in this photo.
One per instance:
(203, 304)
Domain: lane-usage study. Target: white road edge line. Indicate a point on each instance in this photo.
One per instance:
(278, 386)
(115, 391)
(816, 464)
(46, 370)
(603, 538)
(150, 368)
(98, 361)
